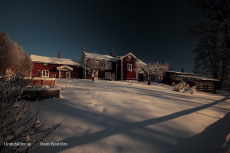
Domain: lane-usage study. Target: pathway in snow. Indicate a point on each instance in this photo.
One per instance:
(114, 116)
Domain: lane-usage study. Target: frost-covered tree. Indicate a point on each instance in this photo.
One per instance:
(18, 125)
(13, 59)
(93, 65)
(153, 69)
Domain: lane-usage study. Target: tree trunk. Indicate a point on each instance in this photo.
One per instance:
(149, 82)
(223, 70)
(148, 78)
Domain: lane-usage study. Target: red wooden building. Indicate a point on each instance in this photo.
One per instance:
(122, 67)
(126, 67)
(51, 67)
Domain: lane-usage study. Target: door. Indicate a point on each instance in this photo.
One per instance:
(68, 75)
(205, 88)
(63, 75)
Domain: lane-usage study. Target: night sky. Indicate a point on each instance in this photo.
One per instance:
(152, 30)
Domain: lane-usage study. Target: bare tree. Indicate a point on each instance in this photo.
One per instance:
(207, 57)
(13, 58)
(210, 15)
(153, 69)
(20, 130)
(93, 65)
(208, 18)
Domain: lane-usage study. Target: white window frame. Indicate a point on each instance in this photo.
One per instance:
(129, 67)
(45, 73)
(53, 75)
(107, 75)
(109, 65)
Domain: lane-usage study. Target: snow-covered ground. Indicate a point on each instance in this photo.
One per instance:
(118, 116)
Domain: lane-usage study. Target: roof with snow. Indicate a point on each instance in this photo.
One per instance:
(131, 54)
(182, 73)
(141, 62)
(111, 58)
(53, 60)
(198, 78)
(100, 56)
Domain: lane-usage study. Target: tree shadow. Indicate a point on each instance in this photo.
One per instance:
(210, 140)
(128, 127)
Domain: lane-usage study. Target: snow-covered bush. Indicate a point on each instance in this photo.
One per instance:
(184, 87)
(20, 131)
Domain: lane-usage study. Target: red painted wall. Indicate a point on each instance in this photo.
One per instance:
(41, 66)
(76, 73)
(129, 75)
(101, 73)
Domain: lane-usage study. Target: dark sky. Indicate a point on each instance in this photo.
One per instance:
(152, 29)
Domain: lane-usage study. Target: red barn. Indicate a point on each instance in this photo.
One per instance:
(52, 67)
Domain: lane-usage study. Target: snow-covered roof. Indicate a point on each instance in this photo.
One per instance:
(131, 54)
(111, 58)
(182, 73)
(64, 67)
(52, 60)
(141, 62)
(198, 78)
(100, 56)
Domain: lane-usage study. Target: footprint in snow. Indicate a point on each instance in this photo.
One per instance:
(104, 110)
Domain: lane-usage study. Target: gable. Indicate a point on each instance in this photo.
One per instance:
(133, 57)
(129, 58)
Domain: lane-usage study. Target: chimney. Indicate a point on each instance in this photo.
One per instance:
(59, 55)
(112, 54)
(84, 49)
(182, 70)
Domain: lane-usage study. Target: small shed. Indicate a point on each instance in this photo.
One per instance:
(202, 83)
(172, 76)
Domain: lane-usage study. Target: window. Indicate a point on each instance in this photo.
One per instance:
(109, 65)
(107, 75)
(129, 67)
(45, 73)
(53, 75)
